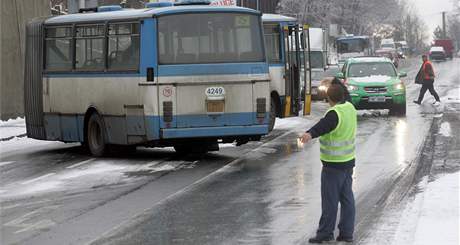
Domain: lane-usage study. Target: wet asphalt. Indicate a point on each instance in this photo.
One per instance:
(261, 193)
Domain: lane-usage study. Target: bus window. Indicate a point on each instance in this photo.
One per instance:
(209, 38)
(58, 51)
(352, 45)
(89, 47)
(317, 59)
(272, 43)
(123, 49)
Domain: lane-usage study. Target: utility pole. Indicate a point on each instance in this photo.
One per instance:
(444, 25)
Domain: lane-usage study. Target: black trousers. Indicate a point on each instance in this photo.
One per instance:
(427, 85)
(336, 186)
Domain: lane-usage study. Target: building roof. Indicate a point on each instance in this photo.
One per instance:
(277, 18)
(143, 13)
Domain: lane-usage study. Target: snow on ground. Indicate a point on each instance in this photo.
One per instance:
(88, 174)
(18, 120)
(432, 217)
(445, 129)
(12, 128)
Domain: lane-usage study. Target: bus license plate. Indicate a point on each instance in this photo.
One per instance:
(215, 91)
(215, 106)
(377, 99)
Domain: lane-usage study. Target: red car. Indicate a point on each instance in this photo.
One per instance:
(448, 46)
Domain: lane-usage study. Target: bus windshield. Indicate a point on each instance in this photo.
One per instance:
(371, 69)
(210, 38)
(351, 45)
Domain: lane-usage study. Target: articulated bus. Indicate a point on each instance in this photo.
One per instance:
(285, 40)
(351, 46)
(184, 76)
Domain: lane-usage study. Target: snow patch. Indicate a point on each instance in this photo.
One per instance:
(431, 217)
(16, 121)
(445, 129)
(372, 79)
(93, 174)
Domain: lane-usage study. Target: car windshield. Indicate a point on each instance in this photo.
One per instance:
(371, 69)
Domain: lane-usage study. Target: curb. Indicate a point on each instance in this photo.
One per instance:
(14, 136)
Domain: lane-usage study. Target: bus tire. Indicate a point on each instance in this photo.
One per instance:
(272, 118)
(96, 136)
(197, 148)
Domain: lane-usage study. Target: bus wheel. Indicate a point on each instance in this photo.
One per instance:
(96, 138)
(272, 119)
(197, 148)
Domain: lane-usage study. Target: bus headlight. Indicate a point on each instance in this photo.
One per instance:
(352, 88)
(398, 86)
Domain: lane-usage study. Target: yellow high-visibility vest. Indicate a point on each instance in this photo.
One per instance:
(339, 145)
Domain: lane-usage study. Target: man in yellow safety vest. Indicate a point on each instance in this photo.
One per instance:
(337, 133)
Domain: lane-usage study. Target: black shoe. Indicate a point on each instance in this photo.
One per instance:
(344, 239)
(317, 239)
(416, 102)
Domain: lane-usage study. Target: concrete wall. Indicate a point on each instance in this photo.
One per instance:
(13, 16)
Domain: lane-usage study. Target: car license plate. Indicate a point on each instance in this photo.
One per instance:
(215, 106)
(377, 99)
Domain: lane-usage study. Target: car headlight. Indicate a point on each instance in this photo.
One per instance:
(322, 88)
(398, 86)
(352, 88)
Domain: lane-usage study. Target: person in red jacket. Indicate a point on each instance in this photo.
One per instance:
(425, 76)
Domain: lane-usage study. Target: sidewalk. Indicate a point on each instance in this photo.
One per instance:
(430, 213)
(12, 128)
(433, 216)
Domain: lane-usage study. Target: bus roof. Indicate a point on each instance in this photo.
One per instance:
(277, 18)
(129, 14)
(352, 37)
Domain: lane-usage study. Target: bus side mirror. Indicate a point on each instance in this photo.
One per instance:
(340, 75)
(402, 74)
(150, 74)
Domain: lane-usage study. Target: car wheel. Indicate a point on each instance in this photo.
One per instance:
(96, 137)
(398, 110)
(272, 119)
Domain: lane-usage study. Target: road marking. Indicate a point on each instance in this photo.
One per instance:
(38, 178)
(81, 163)
(6, 163)
(229, 165)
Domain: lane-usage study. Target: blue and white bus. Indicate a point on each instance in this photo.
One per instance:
(183, 76)
(285, 40)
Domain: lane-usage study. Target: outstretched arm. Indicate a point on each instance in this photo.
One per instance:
(325, 125)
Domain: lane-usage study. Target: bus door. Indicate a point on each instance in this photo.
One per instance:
(306, 68)
(294, 62)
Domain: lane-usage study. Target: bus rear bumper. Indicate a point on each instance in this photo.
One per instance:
(215, 132)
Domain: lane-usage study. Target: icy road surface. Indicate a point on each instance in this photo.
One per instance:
(261, 193)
